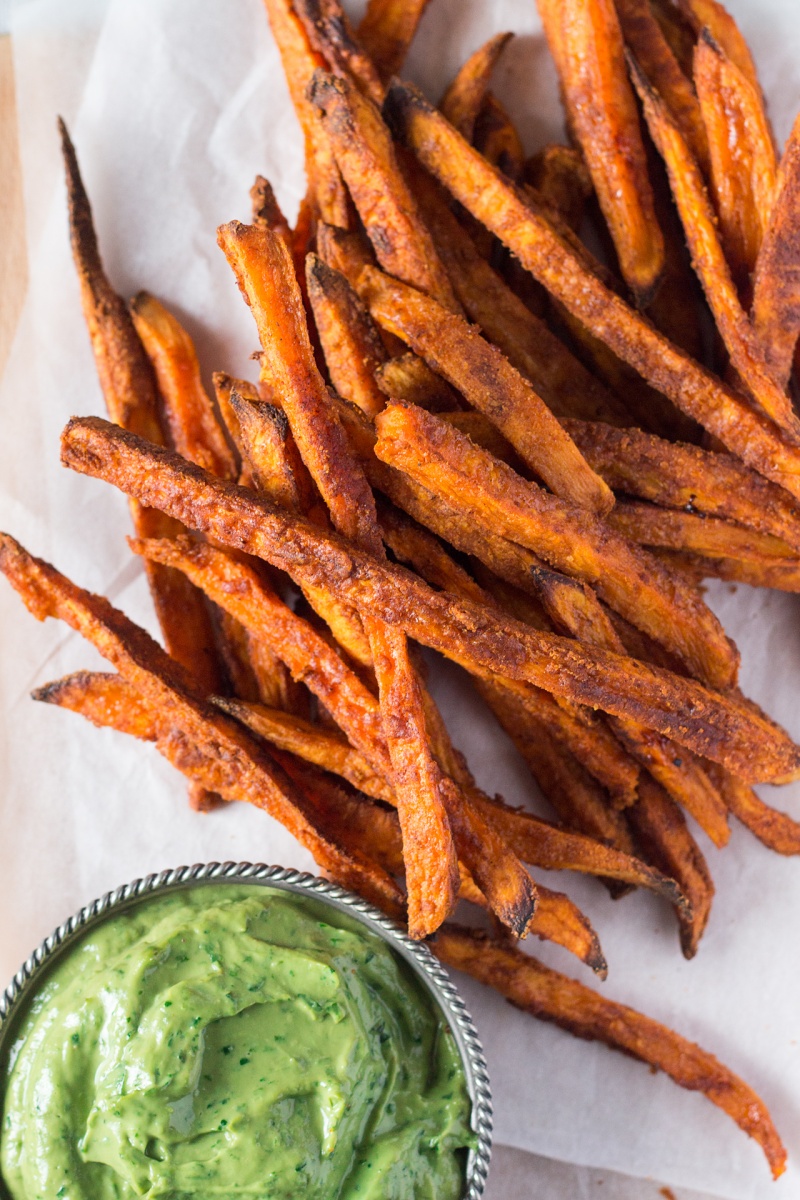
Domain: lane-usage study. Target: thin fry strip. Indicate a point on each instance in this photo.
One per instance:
(129, 389)
(586, 43)
(697, 534)
(746, 351)
(196, 739)
(780, 575)
(775, 829)
(545, 994)
(367, 159)
(711, 15)
(387, 30)
(652, 51)
(464, 97)
(350, 341)
(743, 164)
(675, 475)
(486, 378)
(559, 920)
(776, 287)
(495, 202)
(715, 726)
(329, 30)
(441, 458)
(496, 138)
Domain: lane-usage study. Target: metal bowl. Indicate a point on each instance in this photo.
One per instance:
(424, 965)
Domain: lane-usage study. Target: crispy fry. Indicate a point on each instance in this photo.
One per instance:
(561, 178)
(193, 424)
(199, 741)
(490, 198)
(586, 43)
(327, 197)
(743, 164)
(544, 993)
(367, 160)
(776, 289)
(747, 354)
(697, 534)
(105, 700)
(129, 389)
(267, 212)
(711, 15)
(224, 385)
(464, 97)
(678, 32)
(559, 920)
(456, 350)
(686, 477)
(715, 726)
(329, 31)
(661, 831)
(781, 575)
(439, 457)
(263, 433)
(350, 341)
(409, 377)
(652, 51)
(775, 829)
(497, 139)
(387, 30)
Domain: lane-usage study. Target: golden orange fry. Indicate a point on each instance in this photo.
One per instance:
(561, 179)
(464, 97)
(387, 30)
(497, 139)
(698, 534)
(713, 16)
(775, 829)
(329, 31)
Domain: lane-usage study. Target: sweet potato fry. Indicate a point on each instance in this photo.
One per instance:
(586, 43)
(327, 197)
(329, 31)
(496, 138)
(697, 534)
(544, 993)
(559, 920)
(263, 434)
(495, 202)
(776, 288)
(746, 351)
(266, 211)
(561, 179)
(775, 829)
(408, 377)
(387, 30)
(105, 699)
(686, 477)
(224, 385)
(442, 459)
(711, 15)
(350, 341)
(780, 575)
(715, 726)
(129, 389)
(678, 31)
(368, 162)
(652, 51)
(207, 746)
(464, 97)
(486, 378)
(742, 155)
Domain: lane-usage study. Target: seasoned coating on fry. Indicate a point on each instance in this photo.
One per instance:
(486, 378)
(544, 993)
(367, 159)
(675, 475)
(776, 285)
(561, 179)
(747, 354)
(630, 581)
(698, 534)
(202, 743)
(464, 97)
(493, 200)
(775, 829)
(350, 341)
(387, 30)
(105, 699)
(586, 43)
(496, 138)
(781, 575)
(330, 32)
(267, 212)
(743, 163)
(408, 377)
(711, 15)
(716, 726)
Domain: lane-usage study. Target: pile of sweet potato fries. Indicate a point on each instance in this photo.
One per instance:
(471, 432)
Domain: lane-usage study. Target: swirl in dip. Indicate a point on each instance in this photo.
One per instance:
(233, 1040)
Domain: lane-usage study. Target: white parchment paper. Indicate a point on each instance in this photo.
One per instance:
(174, 106)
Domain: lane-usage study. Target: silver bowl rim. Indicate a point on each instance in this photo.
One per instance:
(426, 966)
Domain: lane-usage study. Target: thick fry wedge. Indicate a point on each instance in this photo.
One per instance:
(494, 201)
(652, 51)
(775, 829)
(715, 726)
(350, 341)
(456, 350)
(387, 30)
(686, 477)
(327, 197)
(442, 459)
(464, 97)
(747, 354)
(207, 746)
(776, 290)
(129, 389)
(544, 993)
(368, 162)
(742, 155)
(586, 43)
(329, 31)
(698, 534)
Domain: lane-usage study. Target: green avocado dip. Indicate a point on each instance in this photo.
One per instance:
(233, 1040)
